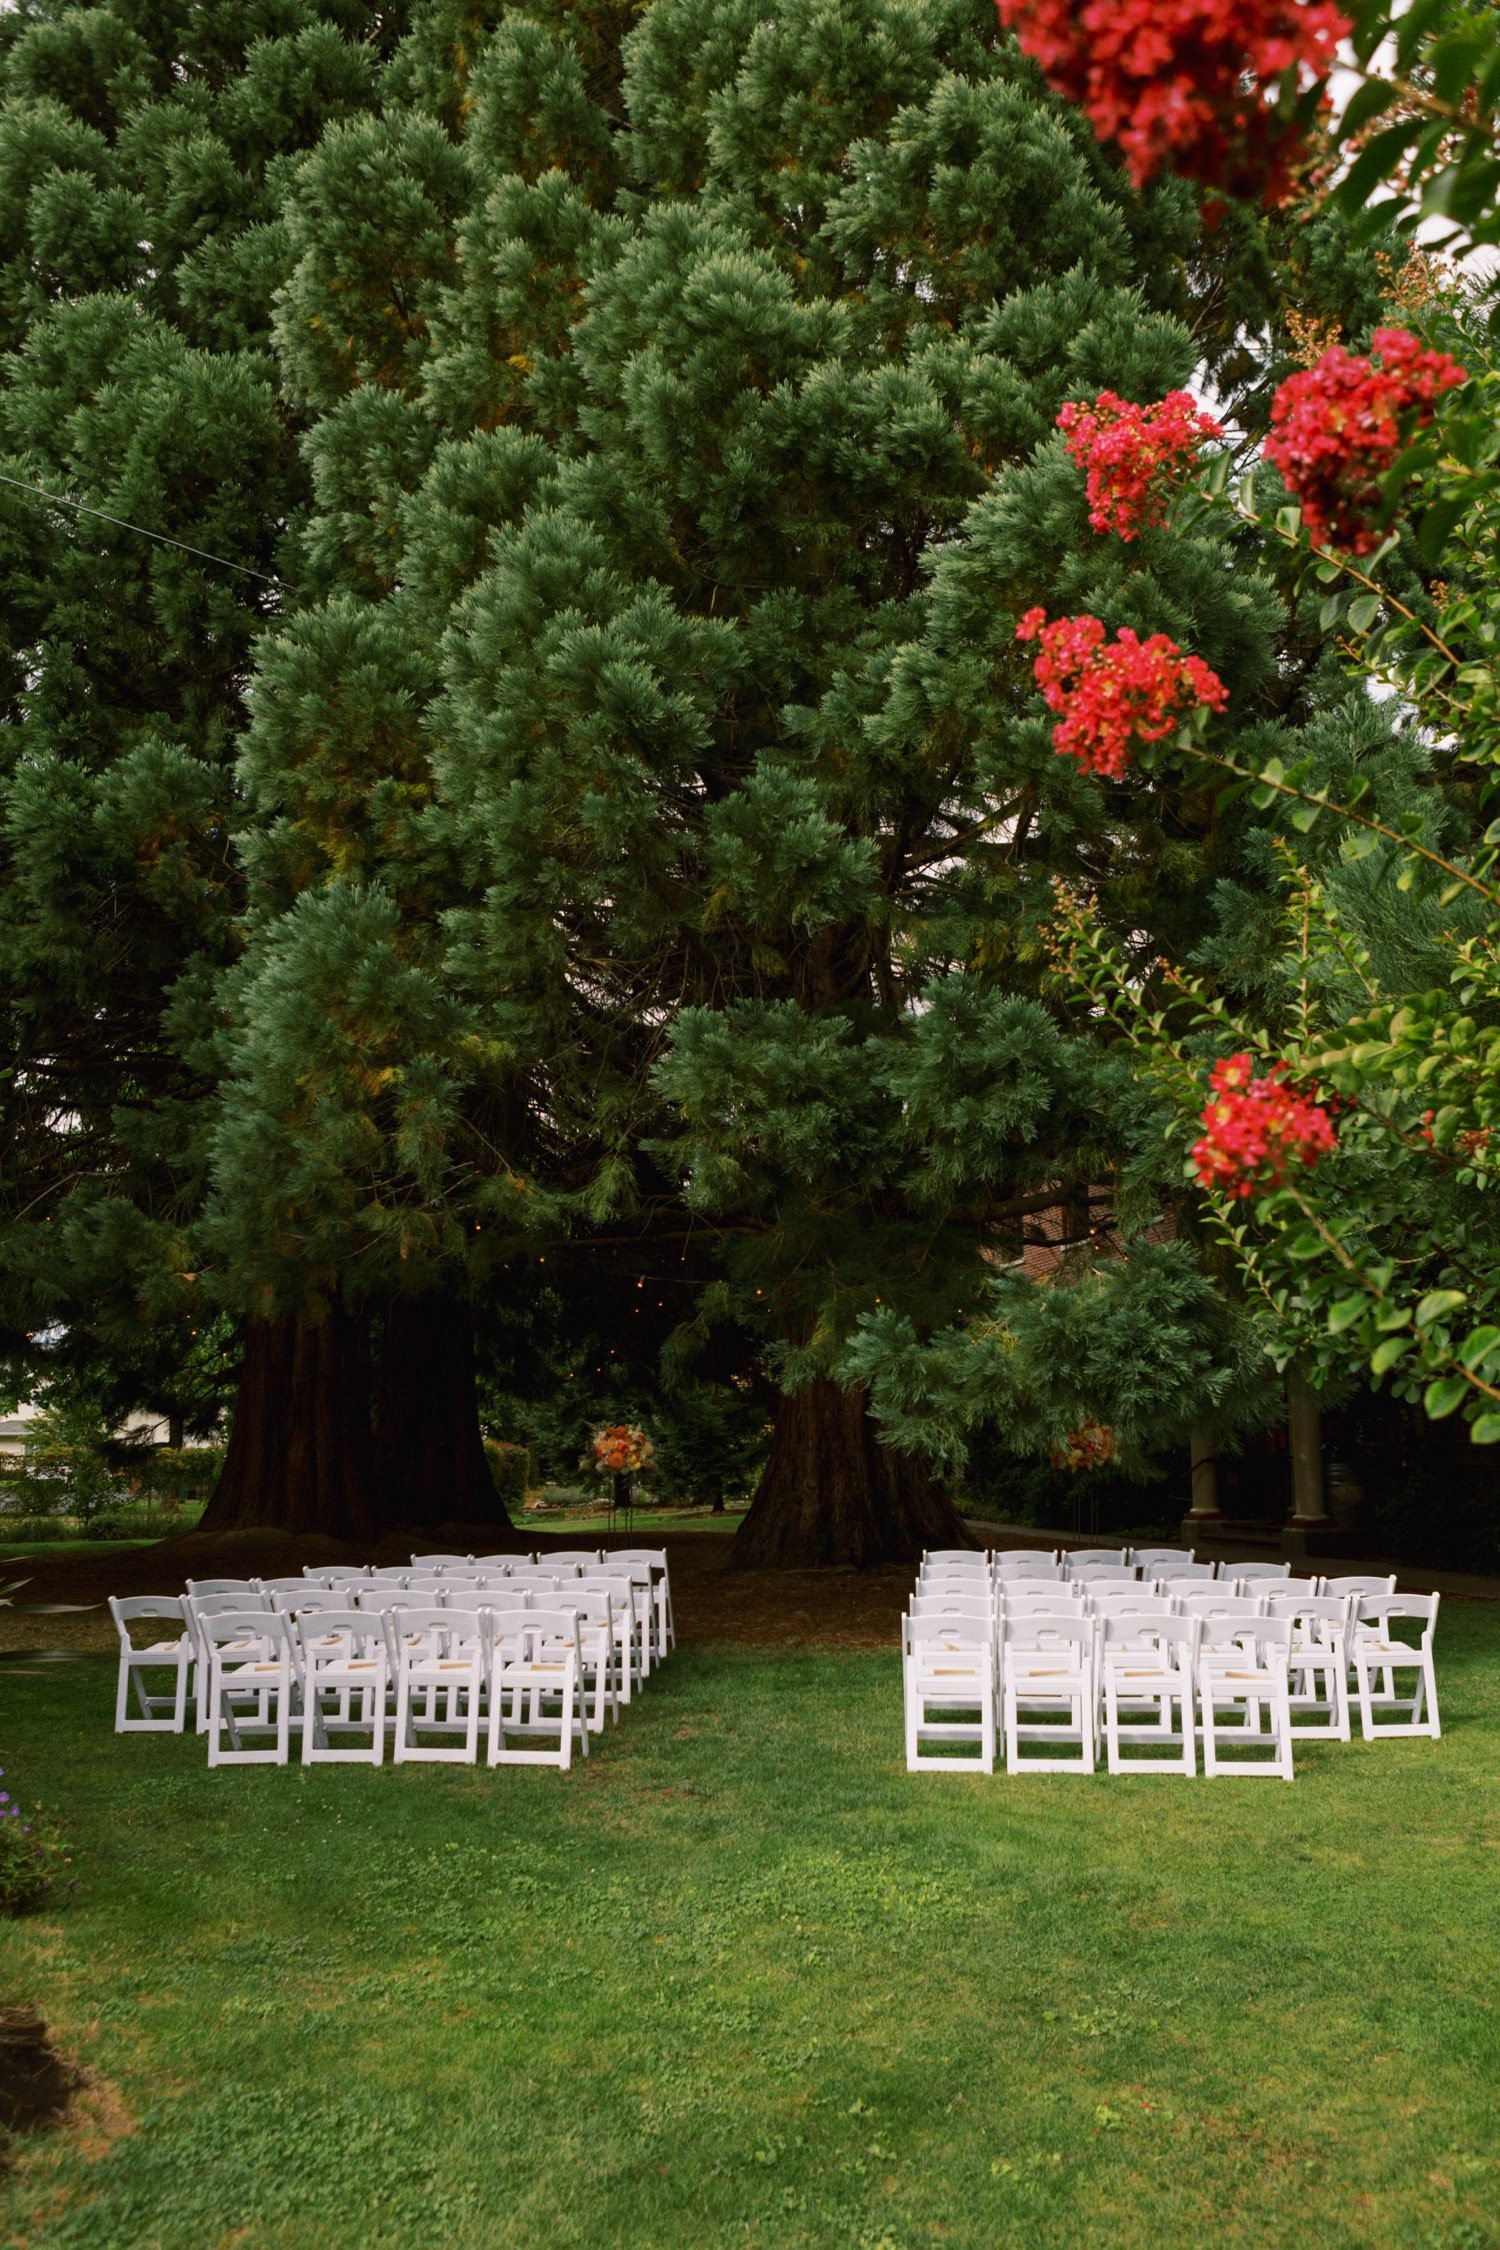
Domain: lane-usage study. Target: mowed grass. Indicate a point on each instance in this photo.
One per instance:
(744, 1981)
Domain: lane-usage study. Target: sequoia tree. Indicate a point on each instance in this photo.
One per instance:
(152, 478)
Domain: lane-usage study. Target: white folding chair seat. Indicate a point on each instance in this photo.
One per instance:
(442, 1665)
(1154, 1562)
(1047, 1671)
(1243, 1696)
(253, 1677)
(948, 1690)
(1146, 1663)
(536, 1687)
(1380, 1656)
(346, 1675)
(1317, 1664)
(1250, 1573)
(171, 1652)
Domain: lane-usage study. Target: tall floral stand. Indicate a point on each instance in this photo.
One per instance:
(621, 1499)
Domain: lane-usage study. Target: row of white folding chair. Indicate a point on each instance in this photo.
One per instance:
(582, 1560)
(336, 1672)
(1329, 1641)
(1052, 1675)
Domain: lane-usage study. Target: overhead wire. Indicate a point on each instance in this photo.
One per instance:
(162, 538)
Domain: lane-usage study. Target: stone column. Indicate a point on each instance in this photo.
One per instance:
(1305, 1434)
(1205, 1473)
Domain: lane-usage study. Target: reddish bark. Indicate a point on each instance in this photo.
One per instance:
(299, 1457)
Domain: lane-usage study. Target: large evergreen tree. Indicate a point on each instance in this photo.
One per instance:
(656, 821)
(143, 151)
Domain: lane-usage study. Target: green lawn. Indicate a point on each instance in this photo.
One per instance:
(745, 1981)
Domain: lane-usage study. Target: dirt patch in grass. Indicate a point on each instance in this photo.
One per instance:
(36, 2082)
(760, 1608)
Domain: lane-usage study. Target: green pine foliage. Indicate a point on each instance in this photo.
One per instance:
(144, 153)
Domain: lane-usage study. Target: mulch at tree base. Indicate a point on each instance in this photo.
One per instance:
(754, 1608)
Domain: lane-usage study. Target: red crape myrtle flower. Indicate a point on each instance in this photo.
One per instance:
(1113, 697)
(1132, 456)
(1256, 1128)
(1338, 426)
(1190, 82)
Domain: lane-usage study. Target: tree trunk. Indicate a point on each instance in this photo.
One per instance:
(433, 1466)
(299, 1457)
(832, 1493)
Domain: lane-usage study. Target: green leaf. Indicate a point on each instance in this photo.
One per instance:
(1486, 1430)
(1346, 1312)
(1437, 523)
(1373, 97)
(1303, 816)
(1436, 1303)
(1363, 613)
(1386, 1354)
(1442, 1396)
(1478, 1346)
(1374, 162)
(1362, 843)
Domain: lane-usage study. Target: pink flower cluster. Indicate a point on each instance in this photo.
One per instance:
(1338, 426)
(1255, 1128)
(1132, 456)
(1115, 696)
(1193, 81)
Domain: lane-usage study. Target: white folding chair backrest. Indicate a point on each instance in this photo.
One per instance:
(393, 1575)
(1128, 1601)
(1017, 1597)
(1186, 1582)
(1144, 1628)
(1205, 1601)
(211, 1586)
(1009, 1567)
(274, 1586)
(425, 1563)
(966, 1557)
(1360, 1586)
(1159, 1562)
(1101, 1574)
(1316, 1611)
(214, 1605)
(1000, 1555)
(1248, 1572)
(342, 1574)
(588, 1556)
(291, 1601)
(1076, 1559)
(503, 1562)
(1381, 1611)
(950, 1605)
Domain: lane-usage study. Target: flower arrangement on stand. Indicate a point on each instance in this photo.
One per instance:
(621, 1451)
(1090, 1446)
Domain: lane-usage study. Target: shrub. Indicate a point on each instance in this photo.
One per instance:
(510, 1466)
(34, 1860)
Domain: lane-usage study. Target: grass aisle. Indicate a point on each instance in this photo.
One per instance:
(744, 1981)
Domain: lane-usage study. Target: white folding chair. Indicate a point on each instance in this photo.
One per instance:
(655, 1558)
(1379, 1655)
(175, 1653)
(1251, 1573)
(1075, 1559)
(205, 1588)
(442, 1664)
(342, 1574)
(1160, 1562)
(599, 1652)
(1208, 1601)
(426, 1563)
(1146, 1662)
(964, 1558)
(948, 1689)
(1090, 1575)
(1243, 1696)
(1317, 1664)
(1008, 1568)
(630, 1603)
(253, 1677)
(346, 1674)
(1047, 1671)
(274, 1586)
(925, 1603)
(201, 1607)
(1183, 1576)
(536, 1687)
